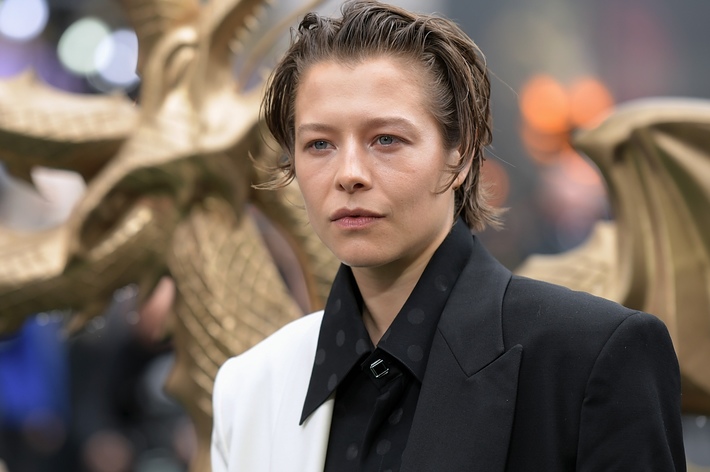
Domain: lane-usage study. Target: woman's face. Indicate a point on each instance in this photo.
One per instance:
(370, 161)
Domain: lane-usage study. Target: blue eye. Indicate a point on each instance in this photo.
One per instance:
(385, 140)
(320, 145)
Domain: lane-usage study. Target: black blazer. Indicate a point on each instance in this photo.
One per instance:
(526, 376)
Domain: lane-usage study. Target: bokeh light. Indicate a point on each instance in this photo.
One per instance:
(543, 148)
(78, 45)
(544, 104)
(22, 20)
(116, 58)
(590, 100)
(551, 111)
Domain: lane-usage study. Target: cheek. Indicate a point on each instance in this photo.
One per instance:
(306, 170)
(421, 182)
(412, 198)
(311, 190)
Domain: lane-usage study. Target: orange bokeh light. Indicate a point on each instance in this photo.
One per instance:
(589, 101)
(550, 111)
(545, 105)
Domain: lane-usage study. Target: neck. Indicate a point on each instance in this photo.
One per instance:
(384, 292)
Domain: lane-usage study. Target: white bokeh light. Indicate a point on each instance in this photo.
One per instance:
(22, 20)
(116, 58)
(79, 43)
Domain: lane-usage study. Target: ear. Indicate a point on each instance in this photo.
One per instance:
(461, 176)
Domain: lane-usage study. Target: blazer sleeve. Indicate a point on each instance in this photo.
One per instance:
(219, 444)
(630, 419)
(244, 400)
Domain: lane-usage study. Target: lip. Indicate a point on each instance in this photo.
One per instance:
(353, 218)
(353, 213)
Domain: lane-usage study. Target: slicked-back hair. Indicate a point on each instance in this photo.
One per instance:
(457, 82)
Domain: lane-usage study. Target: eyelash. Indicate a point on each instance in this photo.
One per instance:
(395, 140)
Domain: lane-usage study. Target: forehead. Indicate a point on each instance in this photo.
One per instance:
(368, 85)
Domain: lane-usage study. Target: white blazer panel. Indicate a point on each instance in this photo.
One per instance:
(258, 398)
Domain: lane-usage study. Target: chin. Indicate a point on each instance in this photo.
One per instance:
(360, 259)
(360, 262)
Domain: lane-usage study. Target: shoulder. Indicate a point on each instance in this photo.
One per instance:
(251, 388)
(528, 297)
(260, 372)
(574, 335)
(290, 341)
(540, 313)
(253, 383)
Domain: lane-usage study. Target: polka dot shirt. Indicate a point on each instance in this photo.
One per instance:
(377, 387)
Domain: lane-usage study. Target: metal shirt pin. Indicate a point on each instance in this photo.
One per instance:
(379, 368)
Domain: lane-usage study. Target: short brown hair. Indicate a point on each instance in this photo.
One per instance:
(459, 90)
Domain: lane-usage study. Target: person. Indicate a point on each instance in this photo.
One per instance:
(429, 354)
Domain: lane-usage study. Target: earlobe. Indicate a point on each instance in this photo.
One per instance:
(461, 176)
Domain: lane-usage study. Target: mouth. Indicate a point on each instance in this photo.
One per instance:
(354, 214)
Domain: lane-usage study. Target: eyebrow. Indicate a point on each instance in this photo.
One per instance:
(376, 122)
(316, 127)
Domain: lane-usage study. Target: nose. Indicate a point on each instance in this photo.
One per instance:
(353, 171)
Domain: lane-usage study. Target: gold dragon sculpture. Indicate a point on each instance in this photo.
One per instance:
(654, 155)
(169, 192)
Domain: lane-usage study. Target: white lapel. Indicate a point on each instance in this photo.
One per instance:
(301, 447)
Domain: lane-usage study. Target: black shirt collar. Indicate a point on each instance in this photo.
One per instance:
(343, 341)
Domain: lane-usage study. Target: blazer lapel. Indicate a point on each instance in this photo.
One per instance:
(300, 447)
(466, 407)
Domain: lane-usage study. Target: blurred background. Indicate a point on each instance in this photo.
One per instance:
(94, 402)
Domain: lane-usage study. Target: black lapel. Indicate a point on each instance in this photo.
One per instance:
(465, 412)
